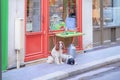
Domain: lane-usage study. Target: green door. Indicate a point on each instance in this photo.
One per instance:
(4, 8)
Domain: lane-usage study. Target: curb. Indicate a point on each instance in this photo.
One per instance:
(78, 69)
(54, 76)
(87, 75)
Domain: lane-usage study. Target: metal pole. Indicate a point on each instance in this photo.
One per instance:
(101, 22)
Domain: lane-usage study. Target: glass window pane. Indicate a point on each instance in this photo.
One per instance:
(96, 13)
(33, 16)
(62, 14)
(111, 13)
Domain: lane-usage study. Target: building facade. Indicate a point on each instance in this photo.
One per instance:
(38, 34)
(42, 19)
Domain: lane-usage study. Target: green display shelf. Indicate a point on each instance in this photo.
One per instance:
(69, 34)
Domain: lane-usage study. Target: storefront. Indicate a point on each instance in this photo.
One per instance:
(106, 22)
(37, 31)
(45, 18)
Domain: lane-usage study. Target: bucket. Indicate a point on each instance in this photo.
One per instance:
(72, 50)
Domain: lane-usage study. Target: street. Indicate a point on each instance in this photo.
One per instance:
(109, 72)
(110, 75)
(88, 67)
(113, 74)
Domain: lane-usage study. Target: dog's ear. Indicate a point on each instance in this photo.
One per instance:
(57, 46)
(63, 45)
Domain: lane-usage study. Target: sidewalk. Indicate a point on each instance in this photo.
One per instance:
(85, 62)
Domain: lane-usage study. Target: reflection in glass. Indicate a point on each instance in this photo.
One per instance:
(59, 14)
(111, 13)
(96, 13)
(33, 16)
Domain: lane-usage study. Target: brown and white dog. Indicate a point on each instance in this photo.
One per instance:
(56, 53)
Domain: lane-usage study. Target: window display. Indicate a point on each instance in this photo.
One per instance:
(59, 14)
(71, 20)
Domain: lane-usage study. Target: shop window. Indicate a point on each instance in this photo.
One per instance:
(62, 15)
(108, 11)
(33, 16)
(111, 13)
(96, 12)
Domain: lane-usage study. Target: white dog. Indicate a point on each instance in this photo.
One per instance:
(57, 52)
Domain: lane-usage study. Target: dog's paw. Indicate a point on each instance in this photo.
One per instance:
(57, 63)
(50, 59)
(62, 62)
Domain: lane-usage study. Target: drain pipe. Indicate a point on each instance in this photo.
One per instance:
(18, 39)
(18, 60)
